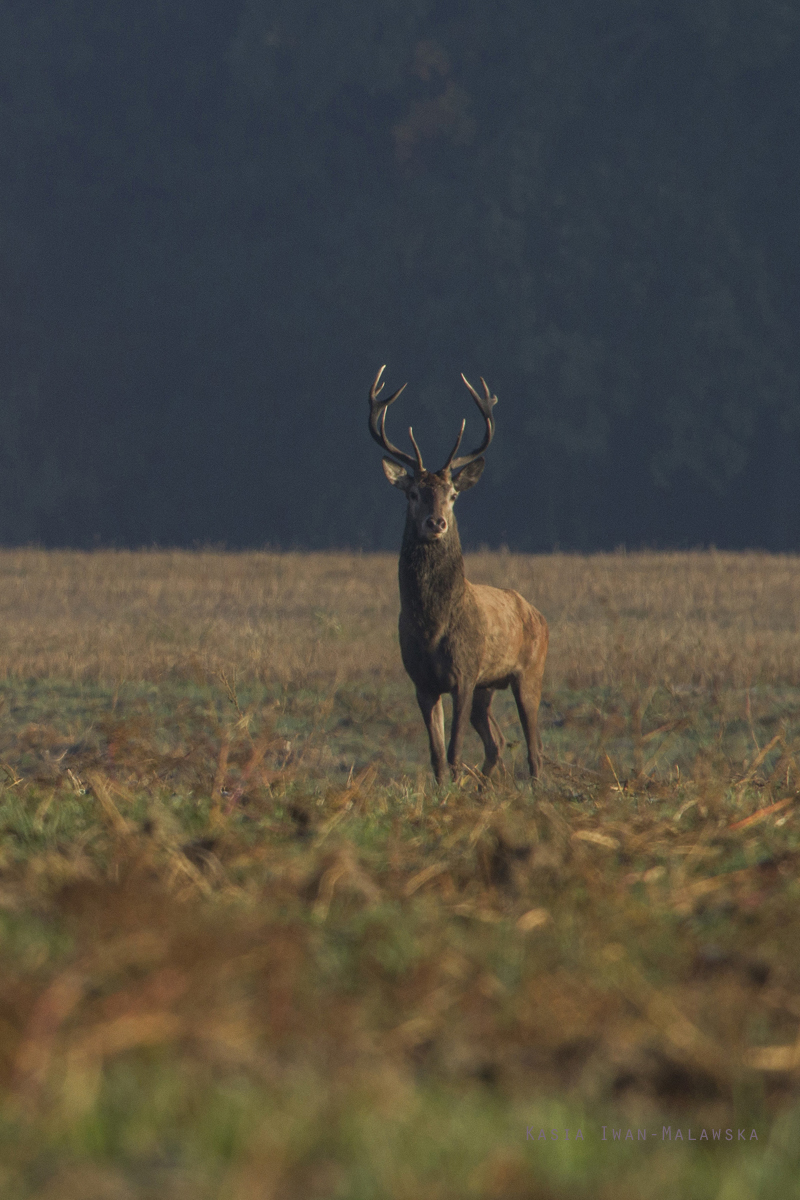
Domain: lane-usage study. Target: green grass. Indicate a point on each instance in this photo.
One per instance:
(248, 950)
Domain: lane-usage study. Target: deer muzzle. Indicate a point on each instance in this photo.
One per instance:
(435, 527)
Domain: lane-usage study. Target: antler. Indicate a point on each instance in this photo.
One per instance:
(485, 403)
(377, 425)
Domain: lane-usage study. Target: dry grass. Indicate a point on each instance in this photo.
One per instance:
(668, 618)
(247, 951)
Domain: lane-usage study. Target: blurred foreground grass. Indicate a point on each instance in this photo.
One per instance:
(247, 951)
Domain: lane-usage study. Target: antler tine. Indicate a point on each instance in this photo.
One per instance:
(417, 450)
(485, 403)
(458, 443)
(377, 423)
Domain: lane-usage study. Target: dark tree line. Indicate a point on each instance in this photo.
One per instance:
(218, 219)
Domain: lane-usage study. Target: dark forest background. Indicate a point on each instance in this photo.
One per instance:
(217, 220)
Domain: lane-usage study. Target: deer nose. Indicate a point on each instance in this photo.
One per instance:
(436, 524)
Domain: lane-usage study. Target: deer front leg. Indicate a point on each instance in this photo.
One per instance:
(432, 711)
(462, 707)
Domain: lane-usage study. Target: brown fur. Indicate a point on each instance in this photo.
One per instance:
(462, 638)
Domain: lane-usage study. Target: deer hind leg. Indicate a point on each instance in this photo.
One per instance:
(489, 731)
(432, 711)
(527, 691)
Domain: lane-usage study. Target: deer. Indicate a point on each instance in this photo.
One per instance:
(458, 638)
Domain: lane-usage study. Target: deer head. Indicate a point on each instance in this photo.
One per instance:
(430, 494)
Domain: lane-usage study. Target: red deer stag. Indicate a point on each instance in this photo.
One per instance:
(455, 636)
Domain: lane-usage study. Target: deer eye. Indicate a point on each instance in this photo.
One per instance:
(413, 494)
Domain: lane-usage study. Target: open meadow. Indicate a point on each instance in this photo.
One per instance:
(248, 951)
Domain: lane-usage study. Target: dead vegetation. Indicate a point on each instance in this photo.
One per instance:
(247, 951)
(683, 619)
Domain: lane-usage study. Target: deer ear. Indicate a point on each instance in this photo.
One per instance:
(469, 475)
(398, 476)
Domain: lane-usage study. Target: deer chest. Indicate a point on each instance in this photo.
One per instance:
(437, 660)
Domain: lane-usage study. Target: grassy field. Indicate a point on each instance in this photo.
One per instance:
(248, 952)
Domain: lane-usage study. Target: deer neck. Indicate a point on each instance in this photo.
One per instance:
(432, 581)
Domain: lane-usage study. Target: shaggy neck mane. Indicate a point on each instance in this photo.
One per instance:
(432, 577)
